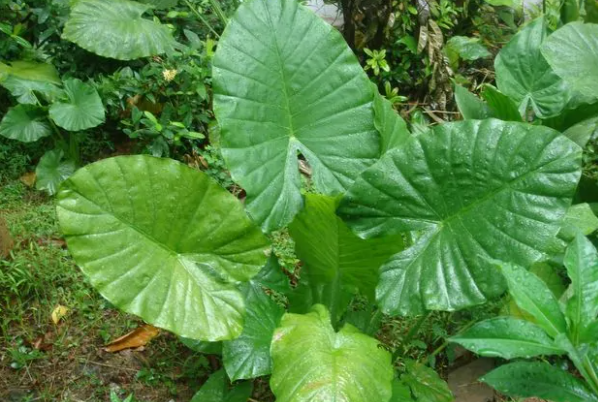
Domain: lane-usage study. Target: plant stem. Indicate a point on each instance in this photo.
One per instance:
(591, 376)
(201, 18)
(219, 12)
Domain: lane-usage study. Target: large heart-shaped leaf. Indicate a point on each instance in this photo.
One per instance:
(163, 241)
(312, 362)
(52, 170)
(501, 105)
(572, 52)
(25, 123)
(248, 356)
(81, 110)
(115, 28)
(285, 82)
(523, 74)
(508, 338)
(24, 78)
(475, 190)
(332, 253)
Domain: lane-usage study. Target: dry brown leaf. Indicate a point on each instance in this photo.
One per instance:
(134, 339)
(6, 241)
(28, 179)
(58, 313)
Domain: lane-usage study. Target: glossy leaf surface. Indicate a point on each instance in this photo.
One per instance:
(116, 29)
(501, 105)
(312, 362)
(572, 52)
(529, 379)
(216, 390)
(25, 123)
(82, 108)
(533, 296)
(579, 219)
(475, 190)
(425, 384)
(164, 242)
(523, 74)
(508, 338)
(285, 82)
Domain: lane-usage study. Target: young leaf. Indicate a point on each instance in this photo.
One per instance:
(508, 338)
(313, 362)
(82, 109)
(579, 219)
(581, 261)
(332, 253)
(216, 390)
(572, 52)
(285, 82)
(472, 188)
(163, 241)
(391, 126)
(523, 74)
(532, 295)
(470, 106)
(501, 106)
(529, 379)
(25, 123)
(425, 384)
(116, 29)
(248, 356)
(52, 170)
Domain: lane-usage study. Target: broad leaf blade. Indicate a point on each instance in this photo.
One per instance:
(425, 384)
(581, 261)
(532, 295)
(523, 74)
(572, 51)
(392, 128)
(31, 71)
(248, 356)
(216, 390)
(470, 106)
(82, 109)
(472, 188)
(25, 123)
(116, 29)
(501, 105)
(583, 132)
(52, 170)
(314, 363)
(579, 219)
(529, 379)
(332, 253)
(507, 338)
(286, 82)
(163, 241)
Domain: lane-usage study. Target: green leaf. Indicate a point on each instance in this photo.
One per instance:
(313, 362)
(470, 106)
(332, 253)
(367, 320)
(25, 123)
(52, 170)
(306, 295)
(508, 338)
(391, 126)
(400, 392)
(474, 189)
(210, 348)
(164, 242)
(425, 384)
(116, 29)
(581, 261)
(579, 219)
(582, 132)
(528, 379)
(248, 356)
(82, 109)
(533, 296)
(273, 277)
(523, 74)
(467, 48)
(160, 4)
(31, 71)
(216, 390)
(285, 82)
(572, 52)
(25, 90)
(501, 105)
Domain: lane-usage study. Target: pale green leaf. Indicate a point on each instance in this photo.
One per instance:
(475, 190)
(82, 108)
(467, 48)
(285, 82)
(25, 123)
(579, 219)
(31, 71)
(312, 362)
(583, 132)
(162, 241)
(116, 29)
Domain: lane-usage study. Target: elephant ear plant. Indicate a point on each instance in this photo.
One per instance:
(161, 240)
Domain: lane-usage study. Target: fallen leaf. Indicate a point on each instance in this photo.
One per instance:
(28, 179)
(59, 312)
(134, 339)
(6, 241)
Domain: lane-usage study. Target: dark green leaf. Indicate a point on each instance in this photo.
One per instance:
(216, 390)
(25, 123)
(470, 106)
(210, 348)
(82, 108)
(582, 132)
(425, 384)
(501, 106)
(400, 392)
(52, 170)
(473, 189)
(273, 277)
(392, 128)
